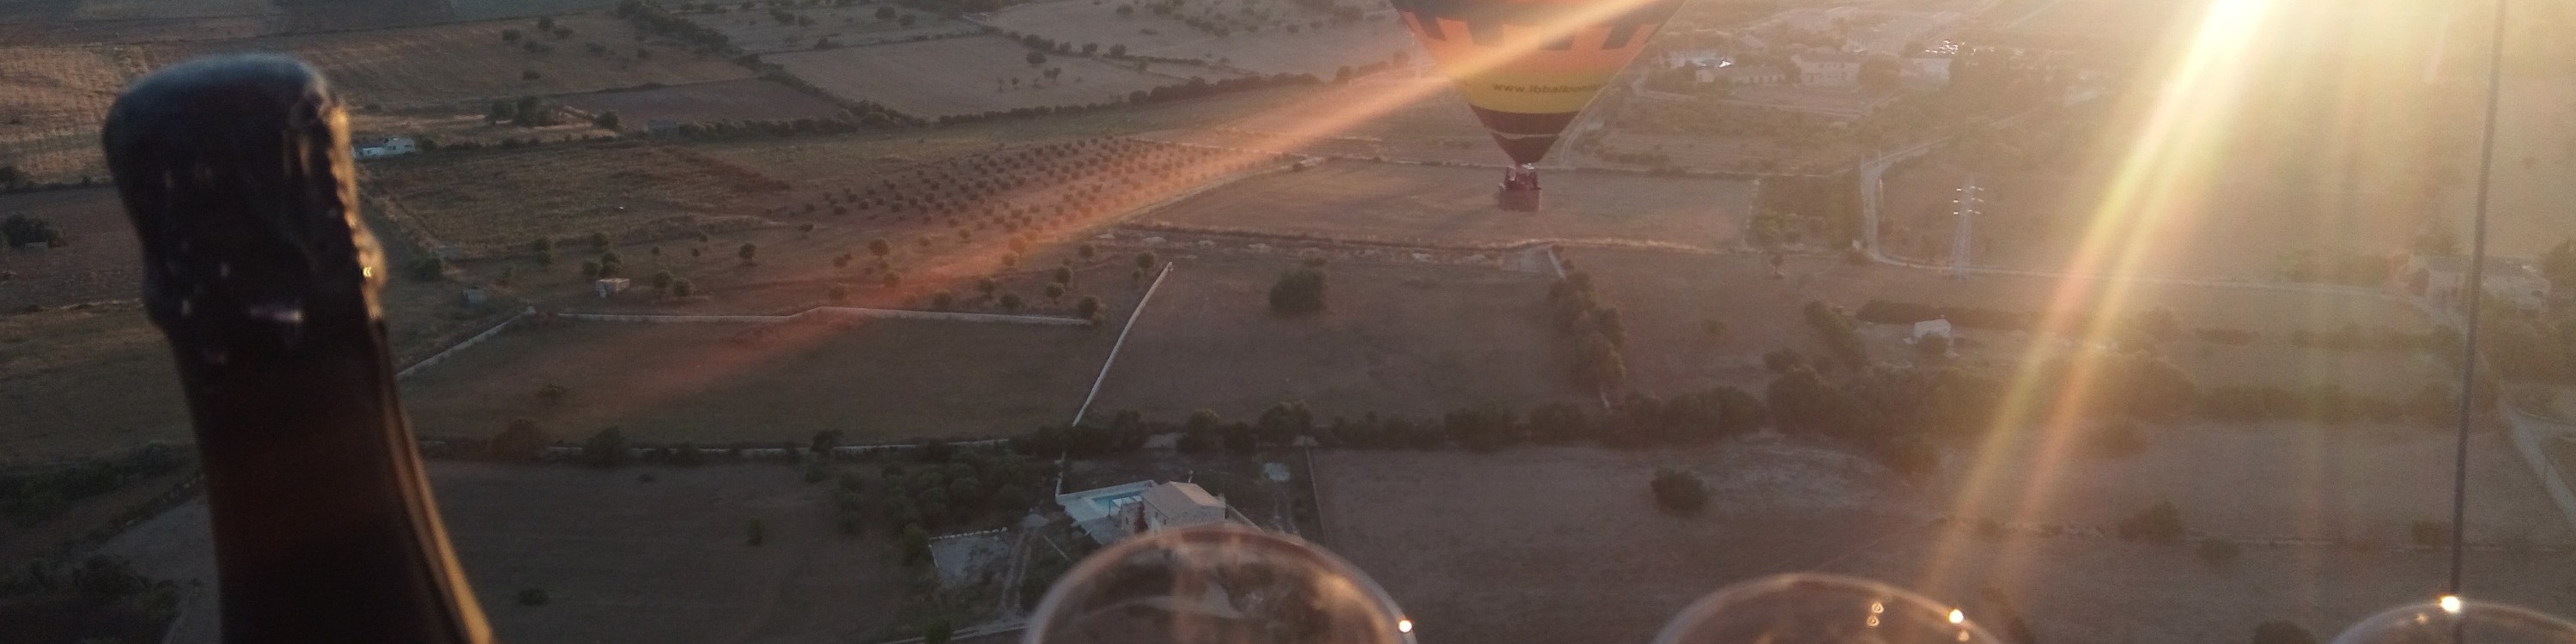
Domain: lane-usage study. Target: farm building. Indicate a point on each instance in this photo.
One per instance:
(392, 146)
(1930, 328)
(1831, 69)
(2438, 279)
(1112, 513)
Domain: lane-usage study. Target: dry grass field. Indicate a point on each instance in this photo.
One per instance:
(758, 31)
(745, 99)
(500, 200)
(469, 62)
(1446, 205)
(875, 381)
(623, 560)
(959, 76)
(1414, 340)
(1318, 47)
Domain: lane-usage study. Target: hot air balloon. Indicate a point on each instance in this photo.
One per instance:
(1527, 67)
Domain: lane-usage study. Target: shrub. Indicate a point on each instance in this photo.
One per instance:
(429, 269)
(2159, 524)
(1011, 302)
(533, 597)
(519, 442)
(2219, 552)
(1782, 360)
(747, 252)
(1088, 308)
(553, 394)
(605, 449)
(21, 230)
(1298, 292)
(757, 532)
(1679, 491)
(839, 293)
(942, 300)
(1146, 261)
(682, 287)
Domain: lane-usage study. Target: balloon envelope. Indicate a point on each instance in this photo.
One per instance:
(1528, 67)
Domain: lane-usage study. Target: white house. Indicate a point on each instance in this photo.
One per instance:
(1830, 69)
(1697, 57)
(1743, 75)
(1930, 328)
(391, 146)
(1115, 512)
(2440, 279)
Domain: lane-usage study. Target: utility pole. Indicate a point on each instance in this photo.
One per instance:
(1965, 207)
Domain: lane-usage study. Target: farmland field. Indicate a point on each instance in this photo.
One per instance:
(470, 62)
(167, 9)
(1446, 205)
(621, 560)
(959, 76)
(490, 200)
(100, 261)
(1319, 47)
(81, 382)
(51, 102)
(1395, 115)
(760, 32)
(876, 381)
(1667, 296)
(1457, 537)
(1394, 339)
(744, 99)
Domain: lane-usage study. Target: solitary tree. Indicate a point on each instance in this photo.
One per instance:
(1679, 491)
(1035, 58)
(682, 287)
(605, 449)
(1088, 308)
(21, 230)
(1298, 292)
(1011, 302)
(605, 120)
(747, 252)
(839, 293)
(880, 248)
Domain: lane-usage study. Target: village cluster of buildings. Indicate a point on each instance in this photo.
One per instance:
(1915, 41)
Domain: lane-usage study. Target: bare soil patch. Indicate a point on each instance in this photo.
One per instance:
(962, 76)
(629, 561)
(1393, 340)
(1444, 205)
(1567, 545)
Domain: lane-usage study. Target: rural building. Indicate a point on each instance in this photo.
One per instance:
(1830, 69)
(1743, 75)
(1697, 58)
(392, 146)
(2438, 279)
(1112, 513)
(1180, 505)
(1931, 328)
(610, 286)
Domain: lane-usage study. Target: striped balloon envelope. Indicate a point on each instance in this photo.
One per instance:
(1528, 67)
